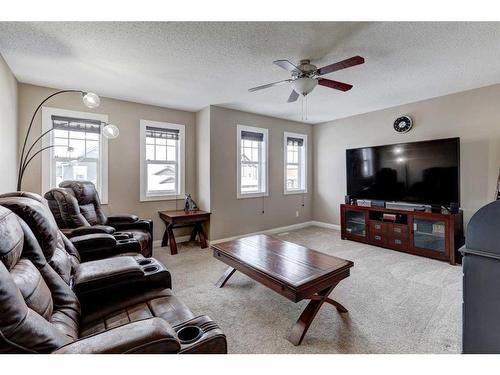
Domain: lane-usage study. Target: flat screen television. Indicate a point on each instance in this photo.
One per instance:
(425, 172)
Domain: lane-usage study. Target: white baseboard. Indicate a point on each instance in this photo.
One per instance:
(267, 231)
(325, 225)
(304, 224)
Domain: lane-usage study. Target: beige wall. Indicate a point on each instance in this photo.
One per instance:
(472, 115)
(232, 216)
(8, 128)
(203, 159)
(123, 168)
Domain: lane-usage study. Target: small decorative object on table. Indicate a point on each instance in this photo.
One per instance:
(190, 204)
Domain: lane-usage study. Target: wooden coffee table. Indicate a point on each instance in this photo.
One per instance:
(291, 270)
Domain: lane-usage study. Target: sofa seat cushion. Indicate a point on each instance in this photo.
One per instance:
(159, 303)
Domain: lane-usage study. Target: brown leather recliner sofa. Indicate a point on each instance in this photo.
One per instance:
(90, 246)
(77, 210)
(42, 309)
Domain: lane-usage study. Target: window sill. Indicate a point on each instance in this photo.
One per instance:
(294, 192)
(161, 198)
(251, 195)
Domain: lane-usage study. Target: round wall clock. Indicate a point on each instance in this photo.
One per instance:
(403, 124)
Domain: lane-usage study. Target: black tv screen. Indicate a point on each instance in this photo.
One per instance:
(419, 172)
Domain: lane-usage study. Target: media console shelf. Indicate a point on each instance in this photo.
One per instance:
(434, 235)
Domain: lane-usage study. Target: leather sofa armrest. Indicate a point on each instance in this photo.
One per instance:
(149, 336)
(144, 224)
(95, 246)
(100, 274)
(94, 240)
(81, 231)
(94, 282)
(101, 245)
(209, 340)
(121, 219)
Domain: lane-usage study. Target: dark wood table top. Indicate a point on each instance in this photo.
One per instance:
(181, 216)
(182, 213)
(294, 266)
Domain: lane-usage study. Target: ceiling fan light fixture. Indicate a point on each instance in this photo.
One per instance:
(304, 85)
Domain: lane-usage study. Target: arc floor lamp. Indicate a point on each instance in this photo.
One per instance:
(90, 100)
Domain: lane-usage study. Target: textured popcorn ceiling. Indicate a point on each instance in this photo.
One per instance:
(192, 65)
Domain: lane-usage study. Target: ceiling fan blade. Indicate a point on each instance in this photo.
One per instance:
(347, 63)
(287, 65)
(293, 97)
(268, 85)
(334, 84)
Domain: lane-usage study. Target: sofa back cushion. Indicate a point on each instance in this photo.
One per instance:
(88, 200)
(38, 310)
(58, 251)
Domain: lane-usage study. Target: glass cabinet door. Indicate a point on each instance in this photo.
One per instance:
(355, 223)
(429, 234)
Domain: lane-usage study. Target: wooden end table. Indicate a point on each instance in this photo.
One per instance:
(296, 272)
(180, 219)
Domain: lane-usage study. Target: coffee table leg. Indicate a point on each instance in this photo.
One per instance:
(171, 240)
(300, 328)
(339, 307)
(225, 277)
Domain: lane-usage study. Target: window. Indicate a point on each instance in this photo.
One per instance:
(78, 152)
(252, 162)
(162, 160)
(295, 156)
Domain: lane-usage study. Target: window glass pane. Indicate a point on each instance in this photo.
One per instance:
(77, 135)
(171, 153)
(74, 170)
(61, 149)
(150, 152)
(92, 136)
(161, 153)
(292, 177)
(150, 141)
(172, 142)
(255, 154)
(92, 149)
(78, 146)
(161, 141)
(249, 178)
(60, 133)
(161, 177)
(246, 154)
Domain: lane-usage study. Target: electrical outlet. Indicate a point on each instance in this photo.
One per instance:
(296, 213)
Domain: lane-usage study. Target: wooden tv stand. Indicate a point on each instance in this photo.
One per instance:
(434, 235)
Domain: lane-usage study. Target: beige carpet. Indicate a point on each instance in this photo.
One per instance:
(398, 303)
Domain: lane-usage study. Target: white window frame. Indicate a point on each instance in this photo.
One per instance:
(302, 164)
(264, 170)
(144, 195)
(48, 155)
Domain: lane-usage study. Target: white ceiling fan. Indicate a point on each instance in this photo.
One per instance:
(306, 76)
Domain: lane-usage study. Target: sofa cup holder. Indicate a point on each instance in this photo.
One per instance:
(151, 269)
(189, 334)
(145, 262)
(125, 240)
(121, 236)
